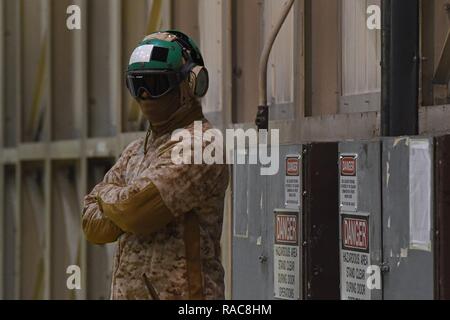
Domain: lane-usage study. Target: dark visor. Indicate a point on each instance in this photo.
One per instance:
(154, 84)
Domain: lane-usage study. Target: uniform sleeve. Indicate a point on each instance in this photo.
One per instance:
(184, 187)
(97, 227)
(163, 192)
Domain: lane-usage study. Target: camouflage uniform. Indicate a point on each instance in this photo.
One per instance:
(181, 259)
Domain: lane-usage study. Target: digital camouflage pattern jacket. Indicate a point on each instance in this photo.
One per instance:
(165, 217)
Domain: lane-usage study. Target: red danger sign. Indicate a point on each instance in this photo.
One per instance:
(348, 166)
(292, 166)
(355, 233)
(286, 228)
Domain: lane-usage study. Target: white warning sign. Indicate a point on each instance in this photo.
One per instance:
(348, 184)
(355, 257)
(286, 256)
(292, 182)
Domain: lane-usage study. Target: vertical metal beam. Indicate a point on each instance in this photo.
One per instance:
(2, 229)
(18, 240)
(307, 45)
(47, 134)
(299, 63)
(2, 78)
(19, 107)
(442, 219)
(116, 83)
(427, 44)
(48, 225)
(2, 145)
(81, 90)
(400, 67)
(227, 63)
(116, 61)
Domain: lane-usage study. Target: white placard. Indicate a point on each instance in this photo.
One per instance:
(420, 184)
(286, 252)
(286, 272)
(355, 257)
(348, 183)
(292, 186)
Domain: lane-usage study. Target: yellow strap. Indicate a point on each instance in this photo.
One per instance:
(193, 261)
(150, 288)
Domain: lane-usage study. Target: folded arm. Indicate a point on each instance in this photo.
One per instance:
(163, 192)
(97, 227)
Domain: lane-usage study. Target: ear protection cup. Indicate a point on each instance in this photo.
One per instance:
(196, 75)
(198, 81)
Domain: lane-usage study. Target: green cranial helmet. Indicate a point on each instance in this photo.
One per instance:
(162, 61)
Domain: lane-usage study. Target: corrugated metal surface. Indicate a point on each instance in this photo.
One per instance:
(103, 119)
(411, 274)
(255, 198)
(280, 72)
(360, 47)
(322, 49)
(10, 96)
(211, 38)
(65, 224)
(250, 277)
(32, 233)
(369, 197)
(63, 79)
(99, 258)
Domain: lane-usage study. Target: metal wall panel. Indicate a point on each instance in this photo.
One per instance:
(369, 198)
(280, 71)
(442, 217)
(102, 117)
(321, 224)
(215, 45)
(66, 226)
(255, 198)
(322, 61)
(35, 46)
(9, 233)
(11, 40)
(250, 276)
(33, 231)
(99, 257)
(63, 75)
(409, 258)
(246, 54)
(361, 50)
(275, 199)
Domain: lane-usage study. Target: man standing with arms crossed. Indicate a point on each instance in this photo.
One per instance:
(166, 217)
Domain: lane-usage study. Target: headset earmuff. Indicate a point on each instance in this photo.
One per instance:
(196, 75)
(199, 81)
